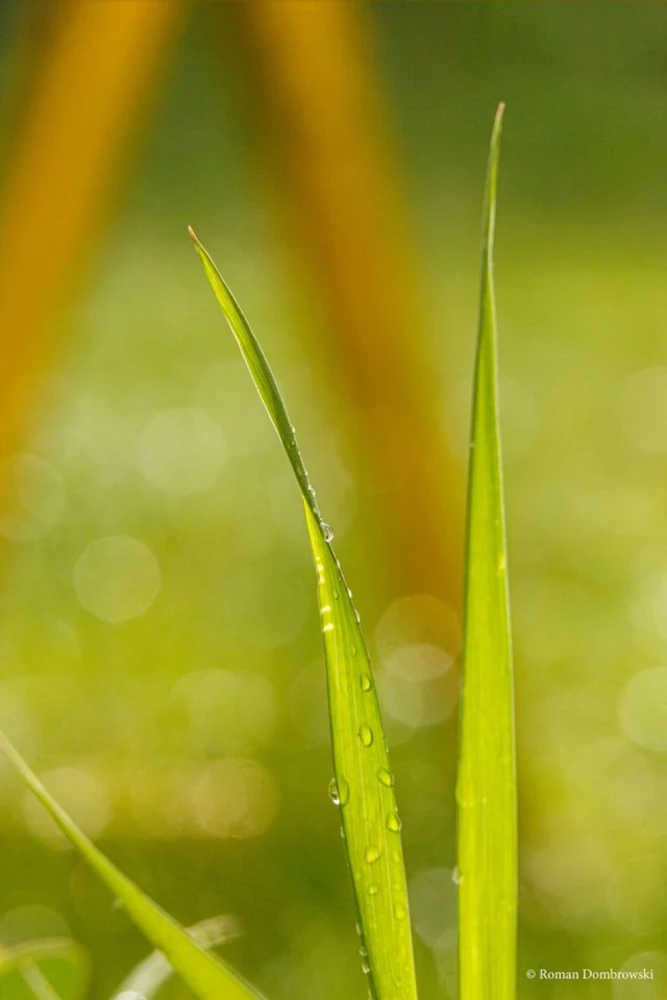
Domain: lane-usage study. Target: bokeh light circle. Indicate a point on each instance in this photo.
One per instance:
(182, 451)
(643, 709)
(117, 578)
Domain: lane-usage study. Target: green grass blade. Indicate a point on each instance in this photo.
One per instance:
(363, 782)
(207, 976)
(153, 972)
(486, 790)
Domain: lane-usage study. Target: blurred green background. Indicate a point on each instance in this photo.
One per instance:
(161, 660)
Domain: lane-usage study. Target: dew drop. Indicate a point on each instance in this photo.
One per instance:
(373, 854)
(386, 777)
(457, 878)
(365, 967)
(400, 912)
(366, 682)
(366, 734)
(327, 532)
(394, 823)
(373, 890)
(339, 791)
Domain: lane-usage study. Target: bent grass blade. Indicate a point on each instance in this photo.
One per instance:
(486, 789)
(206, 975)
(363, 783)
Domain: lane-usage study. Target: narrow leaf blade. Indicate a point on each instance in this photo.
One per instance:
(486, 789)
(363, 778)
(205, 974)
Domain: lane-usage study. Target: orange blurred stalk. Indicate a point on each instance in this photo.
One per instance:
(97, 79)
(318, 97)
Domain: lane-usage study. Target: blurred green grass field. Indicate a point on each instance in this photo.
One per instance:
(180, 708)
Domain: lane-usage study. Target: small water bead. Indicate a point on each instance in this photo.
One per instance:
(327, 532)
(457, 878)
(386, 777)
(373, 890)
(365, 967)
(366, 734)
(400, 912)
(339, 791)
(366, 682)
(373, 854)
(394, 823)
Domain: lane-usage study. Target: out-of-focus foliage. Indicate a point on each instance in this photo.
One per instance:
(176, 710)
(201, 971)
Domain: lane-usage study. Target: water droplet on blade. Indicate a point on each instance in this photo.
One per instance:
(366, 682)
(339, 791)
(327, 532)
(394, 823)
(386, 777)
(373, 854)
(333, 792)
(366, 734)
(373, 890)
(457, 878)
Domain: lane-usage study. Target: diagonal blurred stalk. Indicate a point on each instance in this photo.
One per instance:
(312, 71)
(97, 79)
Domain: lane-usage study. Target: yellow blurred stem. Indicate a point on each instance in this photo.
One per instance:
(312, 65)
(96, 81)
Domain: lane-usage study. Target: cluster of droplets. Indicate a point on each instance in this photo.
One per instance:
(339, 792)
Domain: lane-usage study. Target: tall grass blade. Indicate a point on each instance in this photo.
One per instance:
(486, 790)
(206, 975)
(363, 783)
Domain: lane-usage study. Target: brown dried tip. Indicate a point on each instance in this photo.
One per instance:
(192, 233)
